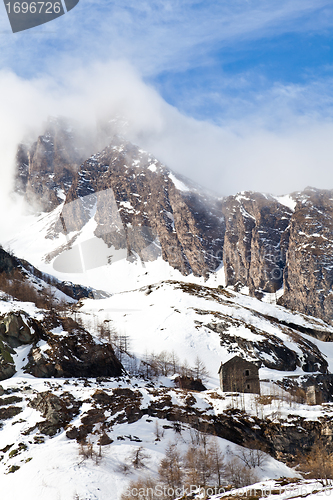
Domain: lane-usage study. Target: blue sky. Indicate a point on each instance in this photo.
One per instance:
(252, 71)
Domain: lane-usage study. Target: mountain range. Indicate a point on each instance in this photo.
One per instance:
(128, 275)
(139, 206)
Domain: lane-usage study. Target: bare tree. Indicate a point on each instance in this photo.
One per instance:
(200, 371)
(165, 363)
(185, 369)
(146, 485)
(252, 457)
(238, 475)
(139, 457)
(318, 463)
(170, 469)
(174, 363)
(191, 463)
(217, 460)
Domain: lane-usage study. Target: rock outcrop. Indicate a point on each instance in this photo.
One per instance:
(141, 207)
(16, 329)
(308, 275)
(57, 411)
(73, 354)
(267, 245)
(285, 351)
(46, 167)
(253, 253)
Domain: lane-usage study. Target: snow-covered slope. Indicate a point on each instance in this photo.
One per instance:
(123, 223)
(193, 319)
(40, 246)
(52, 468)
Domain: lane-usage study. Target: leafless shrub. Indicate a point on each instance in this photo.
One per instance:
(252, 457)
(86, 451)
(124, 468)
(139, 457)
(318, 463)
(239, 475)
(159, 433)
(170, 469)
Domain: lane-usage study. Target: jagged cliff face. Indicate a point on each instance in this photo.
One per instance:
(268, 245)
(308, 275)
(254, 254)
(46, 167)
(140, 207)
(138, 202)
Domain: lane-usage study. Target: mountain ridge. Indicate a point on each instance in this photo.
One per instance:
(145, 210)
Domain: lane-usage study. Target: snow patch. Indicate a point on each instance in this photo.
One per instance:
(178, 183)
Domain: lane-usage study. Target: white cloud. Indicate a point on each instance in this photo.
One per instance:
(157, 35)
(270, 137)
(271, 148)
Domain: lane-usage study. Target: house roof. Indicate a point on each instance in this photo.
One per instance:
(237, 359)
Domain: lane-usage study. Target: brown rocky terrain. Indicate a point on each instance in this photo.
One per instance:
(253, 253)
(46, 168)
(267, 245)
(73, 353)
(140, 208)
(144, 209)
(308, 275)
(112, 407)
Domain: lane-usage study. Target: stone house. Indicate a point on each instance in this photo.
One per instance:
(239, 375)
(313, 395)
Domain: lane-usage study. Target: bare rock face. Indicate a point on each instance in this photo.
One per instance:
(18, 328)
(7, 365)
(308, 275)
(75, 354)
(142, 209)
(57, 411)
(253, 254)
(270, 350)
(268, 245)
(45, 169)
(7, 262)
(140, 206)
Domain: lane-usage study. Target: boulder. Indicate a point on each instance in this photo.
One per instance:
(57, 411)
(189, 383)
(18, 328)
(73, 354)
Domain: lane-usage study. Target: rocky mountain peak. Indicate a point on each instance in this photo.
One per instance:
(141, 209)
(308, 276)
(254, 253)
(139, 205)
